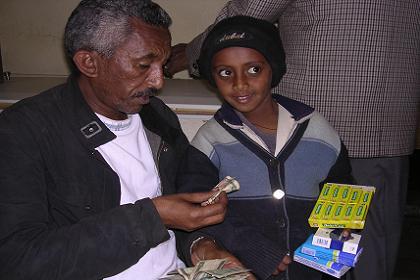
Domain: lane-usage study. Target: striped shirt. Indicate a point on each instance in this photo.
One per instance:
(356, 61)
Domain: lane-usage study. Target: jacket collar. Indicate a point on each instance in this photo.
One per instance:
(87, 126)
(155, 118)
(298, 110)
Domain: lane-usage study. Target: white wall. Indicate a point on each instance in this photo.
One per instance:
(31, 31)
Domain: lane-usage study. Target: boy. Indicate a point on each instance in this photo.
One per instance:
(280, 150)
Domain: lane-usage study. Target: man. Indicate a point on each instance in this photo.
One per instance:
(358, 63)
(84, 165)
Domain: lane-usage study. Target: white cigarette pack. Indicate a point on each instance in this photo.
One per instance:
(331, 238)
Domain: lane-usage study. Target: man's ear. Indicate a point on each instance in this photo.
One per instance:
(87, 62)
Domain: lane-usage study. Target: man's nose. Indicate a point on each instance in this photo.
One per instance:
(156, 78)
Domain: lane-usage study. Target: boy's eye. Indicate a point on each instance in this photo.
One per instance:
(254, 70)
(225, 73)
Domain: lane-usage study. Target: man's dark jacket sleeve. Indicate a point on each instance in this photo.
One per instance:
(60, 216)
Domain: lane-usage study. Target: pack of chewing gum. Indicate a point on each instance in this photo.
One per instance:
(341, 206)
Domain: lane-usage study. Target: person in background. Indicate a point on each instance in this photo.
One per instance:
(270, 144)
(90, 168)
(358, 64)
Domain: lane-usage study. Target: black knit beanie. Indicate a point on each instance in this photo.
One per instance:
(248, 32)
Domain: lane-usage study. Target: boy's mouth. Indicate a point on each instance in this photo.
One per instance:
(243, 98)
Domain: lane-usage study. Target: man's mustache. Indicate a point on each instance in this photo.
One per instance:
(146, 92)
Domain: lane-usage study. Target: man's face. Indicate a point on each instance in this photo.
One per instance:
(134, 71)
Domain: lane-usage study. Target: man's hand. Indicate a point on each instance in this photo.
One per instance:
(183, 211)
(283, 265)
(177, 61)
(207, 249)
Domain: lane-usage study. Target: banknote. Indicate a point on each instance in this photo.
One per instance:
(227, 185)
(208, 270)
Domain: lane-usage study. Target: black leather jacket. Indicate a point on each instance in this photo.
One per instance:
(60, 216)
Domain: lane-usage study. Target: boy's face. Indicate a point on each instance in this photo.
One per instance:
(243, 78)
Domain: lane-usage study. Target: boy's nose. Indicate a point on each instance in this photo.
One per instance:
(240, 82)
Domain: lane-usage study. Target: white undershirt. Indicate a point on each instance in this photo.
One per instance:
(130, 156)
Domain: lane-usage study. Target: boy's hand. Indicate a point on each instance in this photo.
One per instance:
(183, 211)
(283, 265)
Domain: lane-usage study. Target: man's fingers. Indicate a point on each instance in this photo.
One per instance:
(217, 208)
(212, 220)
(183, 211)
(213, 213)
(200, 197)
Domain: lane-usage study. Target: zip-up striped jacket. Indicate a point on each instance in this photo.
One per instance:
(259, 229)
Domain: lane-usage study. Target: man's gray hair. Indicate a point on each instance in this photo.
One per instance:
(102, 25)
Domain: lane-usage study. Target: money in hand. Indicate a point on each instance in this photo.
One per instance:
(227, 185)
(208, 270)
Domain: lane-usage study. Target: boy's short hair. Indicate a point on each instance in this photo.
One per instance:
(247, 32)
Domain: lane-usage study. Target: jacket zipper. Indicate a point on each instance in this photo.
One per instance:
(281, 185)
(161, 147)
(284, 204)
